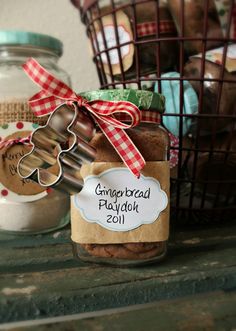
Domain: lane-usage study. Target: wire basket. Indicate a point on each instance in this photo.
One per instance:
(164, 46)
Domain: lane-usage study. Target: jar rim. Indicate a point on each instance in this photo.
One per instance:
(143, 99)
(25, 38)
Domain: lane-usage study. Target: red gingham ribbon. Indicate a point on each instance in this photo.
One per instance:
(55, 93)
(150, 28)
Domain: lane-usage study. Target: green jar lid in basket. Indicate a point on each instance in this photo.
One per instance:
(145, 100)
(24, 38)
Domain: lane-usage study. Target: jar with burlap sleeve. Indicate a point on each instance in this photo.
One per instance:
(25, 207)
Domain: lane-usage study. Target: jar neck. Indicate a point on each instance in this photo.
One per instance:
(19, 54)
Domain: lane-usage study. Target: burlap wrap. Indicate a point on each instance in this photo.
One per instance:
(15, 111)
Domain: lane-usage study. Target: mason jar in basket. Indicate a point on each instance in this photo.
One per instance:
(25, 207)
(204, 185)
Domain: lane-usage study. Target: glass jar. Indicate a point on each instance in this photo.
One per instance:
(210, 88)
(24, 206)
(131, 46)
(145, 243)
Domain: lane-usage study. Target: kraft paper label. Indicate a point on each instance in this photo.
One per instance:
(116, 207)
(107, 39)
(12, 186)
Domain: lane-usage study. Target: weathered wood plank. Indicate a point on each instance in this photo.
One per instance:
(21, 240)
(211, 312)
(45, 257)
(69, 300)
(40, 278)
(74, 290)
(193, 237)
(53, 250)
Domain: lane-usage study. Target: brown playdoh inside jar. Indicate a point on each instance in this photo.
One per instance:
(152, 141)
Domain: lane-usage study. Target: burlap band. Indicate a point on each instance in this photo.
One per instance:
(16, 111)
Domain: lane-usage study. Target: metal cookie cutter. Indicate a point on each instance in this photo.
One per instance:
(59, 150)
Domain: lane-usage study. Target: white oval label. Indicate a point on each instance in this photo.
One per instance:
(118, 201)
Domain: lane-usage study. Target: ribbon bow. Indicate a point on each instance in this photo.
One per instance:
(54, 93)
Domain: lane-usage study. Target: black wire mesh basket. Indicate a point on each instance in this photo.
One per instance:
(185, 49)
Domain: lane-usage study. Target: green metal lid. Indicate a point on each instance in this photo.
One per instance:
(145, 100)
(14, 37)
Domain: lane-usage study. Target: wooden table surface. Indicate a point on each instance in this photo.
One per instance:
(204, 312)
(39, 278)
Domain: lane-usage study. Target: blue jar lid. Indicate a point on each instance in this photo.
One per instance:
(15, 37)
(171, 90)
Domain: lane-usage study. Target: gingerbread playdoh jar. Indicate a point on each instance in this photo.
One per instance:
(118, 218)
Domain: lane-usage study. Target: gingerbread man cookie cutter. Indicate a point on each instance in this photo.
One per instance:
(59, 150)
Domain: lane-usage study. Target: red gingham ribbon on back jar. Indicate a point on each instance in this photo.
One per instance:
(150, 28)
(55, 93)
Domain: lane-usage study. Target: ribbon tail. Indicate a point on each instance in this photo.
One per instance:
(124, 146)
(47, 82)
(44, 106)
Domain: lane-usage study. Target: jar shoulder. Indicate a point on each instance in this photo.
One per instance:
(14, 83)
